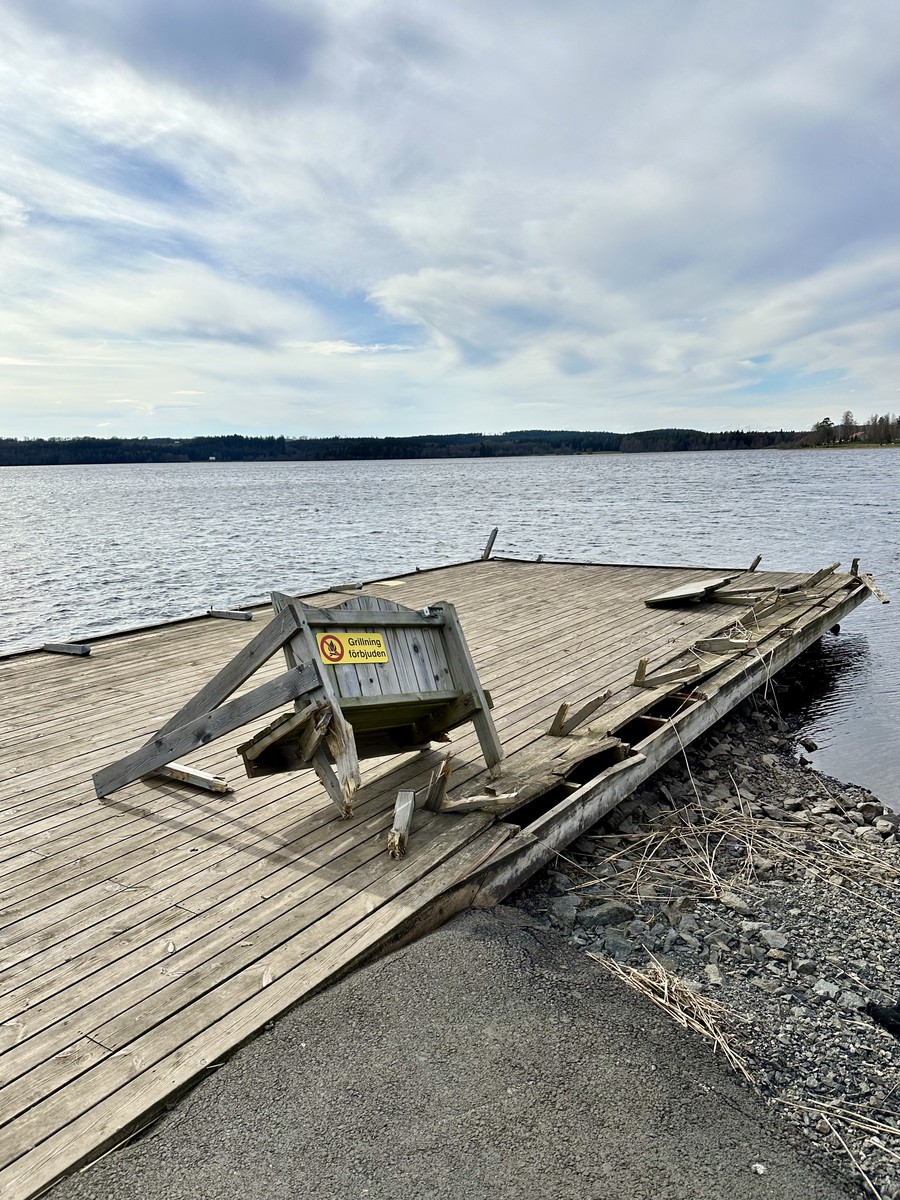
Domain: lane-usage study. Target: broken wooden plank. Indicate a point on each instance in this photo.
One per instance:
(182, 773)
(489, 545)
(873, 587)
(696, 590)
(820, 575)
(437, 786)
(488, 802)
(230, 614)
(398, 836)
(642, 679)
(563, 724)
(755, 562)
(166, 747)
(723, 645)
(77, 649)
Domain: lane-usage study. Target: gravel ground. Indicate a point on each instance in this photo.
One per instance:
(488, 1061)
(771, 890)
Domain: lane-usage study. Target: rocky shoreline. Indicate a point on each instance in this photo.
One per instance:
(759, 901)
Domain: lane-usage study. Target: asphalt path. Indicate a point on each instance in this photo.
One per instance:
(488, 1061)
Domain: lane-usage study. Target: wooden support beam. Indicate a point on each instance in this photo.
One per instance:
(642, 679)
(182, 773)
(820, 575)
(77, 649)
(166, 747)
(465, 677)
(489, 545)
(403, 815)
(854, 567)
(329, 618)
(437, 786)
(873, 588)
(269, 640)
(563, 724)
(756, 562)
(229, 614)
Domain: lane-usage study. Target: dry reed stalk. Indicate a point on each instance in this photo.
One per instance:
(698, 1013)
(856, 1163)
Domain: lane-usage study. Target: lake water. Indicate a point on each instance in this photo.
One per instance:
(87, 550)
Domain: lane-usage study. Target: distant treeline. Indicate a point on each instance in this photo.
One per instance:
(20, 452)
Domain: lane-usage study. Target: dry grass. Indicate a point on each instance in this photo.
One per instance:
(689, 1009)
(700, 851)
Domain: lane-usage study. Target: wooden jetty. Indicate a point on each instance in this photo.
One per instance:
(146, 935)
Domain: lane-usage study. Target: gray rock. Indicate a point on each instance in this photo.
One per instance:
(774, 939)
(822, 987)
(885, 826)
(870, 809)
(614, 912)
(714, 975)
(867, 833)
(851, 1000)
(735, 903)
(618, 946)
(854, 817)
(806, 966)
(564, 909)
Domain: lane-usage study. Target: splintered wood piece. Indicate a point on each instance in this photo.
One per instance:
(820, 575)
(686, 593)
(558, 721)
(485, 803)
(563, 724)
(279, 729)
(315, 732)
(78, 649)
(854, 567)
(874, 588)
(164, 748)
(403, 815)
(642, 679)
(201, 779)
(229, 614)
(723, 645)
(492, 537)
(437, 786)
(756, 562)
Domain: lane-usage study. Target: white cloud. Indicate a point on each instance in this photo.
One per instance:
(443, 218)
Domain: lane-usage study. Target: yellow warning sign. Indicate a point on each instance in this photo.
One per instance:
(339, 649)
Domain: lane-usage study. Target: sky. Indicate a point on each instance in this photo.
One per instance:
(381, 218)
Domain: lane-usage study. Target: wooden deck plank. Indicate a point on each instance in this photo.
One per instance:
(143, 936)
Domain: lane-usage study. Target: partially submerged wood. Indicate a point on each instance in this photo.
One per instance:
(687, 593)
(182, 773)
(403, 815)
(230, 614)
(563, 724)
(77, 649)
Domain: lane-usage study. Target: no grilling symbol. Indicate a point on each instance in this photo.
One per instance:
(343, 649)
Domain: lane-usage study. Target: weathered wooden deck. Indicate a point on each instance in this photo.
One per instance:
(145, 936)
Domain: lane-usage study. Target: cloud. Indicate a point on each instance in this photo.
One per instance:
(398, 218)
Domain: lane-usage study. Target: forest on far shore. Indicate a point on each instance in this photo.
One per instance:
(236, 447)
